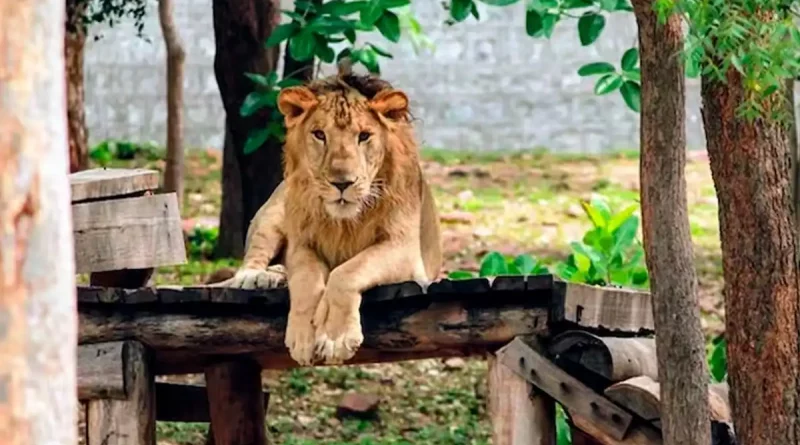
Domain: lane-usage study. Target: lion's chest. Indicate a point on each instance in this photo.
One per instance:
(336, 244)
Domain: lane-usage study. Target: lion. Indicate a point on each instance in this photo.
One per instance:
(354, 211)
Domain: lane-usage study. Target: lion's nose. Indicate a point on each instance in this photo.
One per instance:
(341, 185)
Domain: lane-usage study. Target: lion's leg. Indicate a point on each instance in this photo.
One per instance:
(307, 276)
(337, 319)
(265, 240)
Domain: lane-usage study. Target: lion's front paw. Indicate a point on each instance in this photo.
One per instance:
(272, 277)
(300, 339)
(338, 329)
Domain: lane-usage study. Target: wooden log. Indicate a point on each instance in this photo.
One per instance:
(581, 438)
(567, 390)
(519, 414)
(236, 404)
(185, 403)
(131, 421)
(408, 328)
(130, 233)
(639, 434)
(613, 358)
(641, 395)
(101, 371)
(104, 183)
(608, 309)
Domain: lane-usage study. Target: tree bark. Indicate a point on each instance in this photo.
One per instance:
(240, 28)
(173, 172)
(682, 367)
(750, 165)
(231, 223)
(38, 323)
(74, 43)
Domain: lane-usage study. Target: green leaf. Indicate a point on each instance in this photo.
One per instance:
(533, 23)
(389, 25)
(388, 4)
(369, 58)
(608, 5)
(262, 80)
(380, 51)
(626, 234)
(473, 9)
(460, 275)
(493, 264)
(632, 94)
(623, 5)
(289, 82)
(718, 361)
(302, 46)
(281, 33)
(639, 276)
(255, 140)
(525, 263)
(634, 75)
(621, 217)
(595, 215)
(460, 9)
(575, 4)
(324, 52)
(499, 2)
(371, 12)
(607, 84)
(590, 25)
(549, 24)
(629, 59)
(253, 102)
(591, 69)
(543, 5)
(582, 262)
(563, 431)
(350, 35)
(341, 8)
(602, 206)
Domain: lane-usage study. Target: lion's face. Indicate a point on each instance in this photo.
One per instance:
(339, 139)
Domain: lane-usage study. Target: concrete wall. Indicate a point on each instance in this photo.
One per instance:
(485, 86)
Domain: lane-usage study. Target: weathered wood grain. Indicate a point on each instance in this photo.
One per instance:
(101, 373)
(236, 403)
(131, 421)
(639, 434)
(130, 233)
(185, 403)
(519, 415)
(614, 358)
(608, 308)
(102, 183)
(567, 390)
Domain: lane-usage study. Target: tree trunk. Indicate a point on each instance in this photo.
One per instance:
(38, 322)
(240, 28)
(682, 368)
(750, 165)
(74, 42)
(173, 174)
(231, 223)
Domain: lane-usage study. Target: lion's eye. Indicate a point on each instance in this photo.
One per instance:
(319, 134)
(363, 136)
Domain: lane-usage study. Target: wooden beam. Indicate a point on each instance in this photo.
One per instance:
(567, 390)
(519, 414)
(131, 421)
(185, 403)
(130, 233)
(609, 309)
(104, 183)
(101, 371)
(614, 358)
(235, 403)
(639, 434)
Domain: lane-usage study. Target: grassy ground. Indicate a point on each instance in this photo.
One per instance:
(513, 203)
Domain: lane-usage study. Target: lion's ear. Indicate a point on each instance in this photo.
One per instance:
(294, 102)
(392, 104)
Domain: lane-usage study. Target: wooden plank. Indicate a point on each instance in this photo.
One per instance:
(131, 421)
(567, 390)
(101, 373)
(608, 308)
(131, 233)
(236, 404)
(519, 416)
(186, 340)
(614, 358)
(99, 183)
(639, 434)
(185, 403)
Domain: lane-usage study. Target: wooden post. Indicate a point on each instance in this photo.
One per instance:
(519, 414)
(38, 321)
(131, 421)
(236, 403)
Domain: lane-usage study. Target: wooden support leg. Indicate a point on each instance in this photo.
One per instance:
(581, 438)
(519, 415)
(131, 421)
(236, 403)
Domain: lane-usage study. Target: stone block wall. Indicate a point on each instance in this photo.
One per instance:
(485, 86)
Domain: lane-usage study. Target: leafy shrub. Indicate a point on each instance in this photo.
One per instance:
(108, 150)
(718, 359)
(608, 253)
(203, 242)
